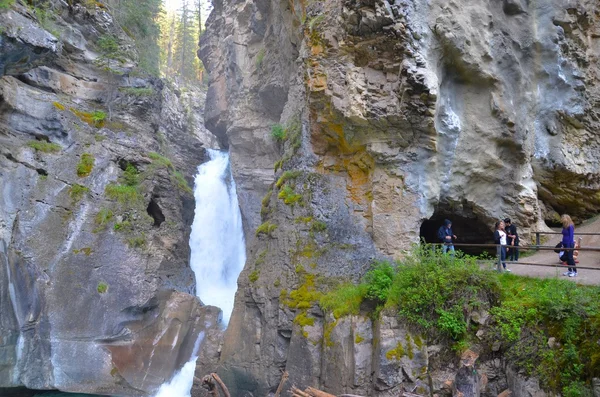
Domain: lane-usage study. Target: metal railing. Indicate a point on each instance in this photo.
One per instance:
(498, 247)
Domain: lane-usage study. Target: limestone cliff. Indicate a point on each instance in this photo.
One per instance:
(96, 161)
(356, 126)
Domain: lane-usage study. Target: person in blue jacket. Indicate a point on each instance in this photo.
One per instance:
(568, 241)
(445, 236)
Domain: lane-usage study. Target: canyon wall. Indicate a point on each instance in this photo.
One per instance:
(96, 163)
(356, 126)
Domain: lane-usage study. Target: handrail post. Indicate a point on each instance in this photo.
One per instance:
(499, 253)
(537, 241)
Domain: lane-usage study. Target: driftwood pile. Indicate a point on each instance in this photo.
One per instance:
(210, 382)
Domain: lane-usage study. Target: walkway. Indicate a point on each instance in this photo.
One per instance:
(586, 258)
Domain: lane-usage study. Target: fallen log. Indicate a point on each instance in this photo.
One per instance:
(284, 378)
(221, 384)
(209, 384)
(317, 393)
(299, 393)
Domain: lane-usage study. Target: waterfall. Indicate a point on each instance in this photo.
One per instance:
(217, 239)
(218, 252)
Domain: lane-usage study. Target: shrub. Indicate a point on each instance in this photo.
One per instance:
(77, 192)
(436, 294)
(95, 119)
(98, 118)
(278, 132)
(345, 300)
(379, 280)
(253, 277)
(43, 146)
(289, 196)
(131, 175)
(286, 176)
(4, 4)
(266, 228)
(85, 166)
(102, 287)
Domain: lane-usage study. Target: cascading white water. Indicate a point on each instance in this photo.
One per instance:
(218, 252)
(217, 239)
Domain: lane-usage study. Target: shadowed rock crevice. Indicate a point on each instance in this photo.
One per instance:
(155, 212)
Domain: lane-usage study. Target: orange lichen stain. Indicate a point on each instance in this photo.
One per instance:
(316, 49)
(318, 83)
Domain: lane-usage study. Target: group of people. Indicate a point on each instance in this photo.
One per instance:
(506, 235)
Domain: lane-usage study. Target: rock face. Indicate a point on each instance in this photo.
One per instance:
(96, 293)
(393, 116)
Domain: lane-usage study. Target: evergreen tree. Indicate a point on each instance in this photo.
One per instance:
(185, 43)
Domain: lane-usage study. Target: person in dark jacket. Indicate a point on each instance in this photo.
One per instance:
(445, 236)
(512, 240)
(568, 241)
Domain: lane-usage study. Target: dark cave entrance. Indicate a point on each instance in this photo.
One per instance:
(468, 228)
(155, 212)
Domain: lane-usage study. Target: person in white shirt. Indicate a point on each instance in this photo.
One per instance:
(500, 238)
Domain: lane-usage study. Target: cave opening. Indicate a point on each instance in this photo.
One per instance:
(155, 212)
(468, 228)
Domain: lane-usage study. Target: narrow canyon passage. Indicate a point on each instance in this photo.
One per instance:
(218, 252)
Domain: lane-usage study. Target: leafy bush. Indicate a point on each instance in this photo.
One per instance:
(278, 132)
(289, 196)
(43, 146)
(437, 293)
(131, 175)
(266, 228)
(253, 277)
(98, 117)
(4, 4)
(379, 280)
(85, 166)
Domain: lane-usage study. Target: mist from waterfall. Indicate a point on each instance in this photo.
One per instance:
(218, 252)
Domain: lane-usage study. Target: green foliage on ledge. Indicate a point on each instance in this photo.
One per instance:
(437, 295)
(4, 4)
(85, 166)
(43, 146)
(266, 228)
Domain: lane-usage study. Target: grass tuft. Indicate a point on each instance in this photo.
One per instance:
(43, 146)
(266, 228)
(85, 166)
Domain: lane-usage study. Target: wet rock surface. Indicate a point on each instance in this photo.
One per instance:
(96, 291)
